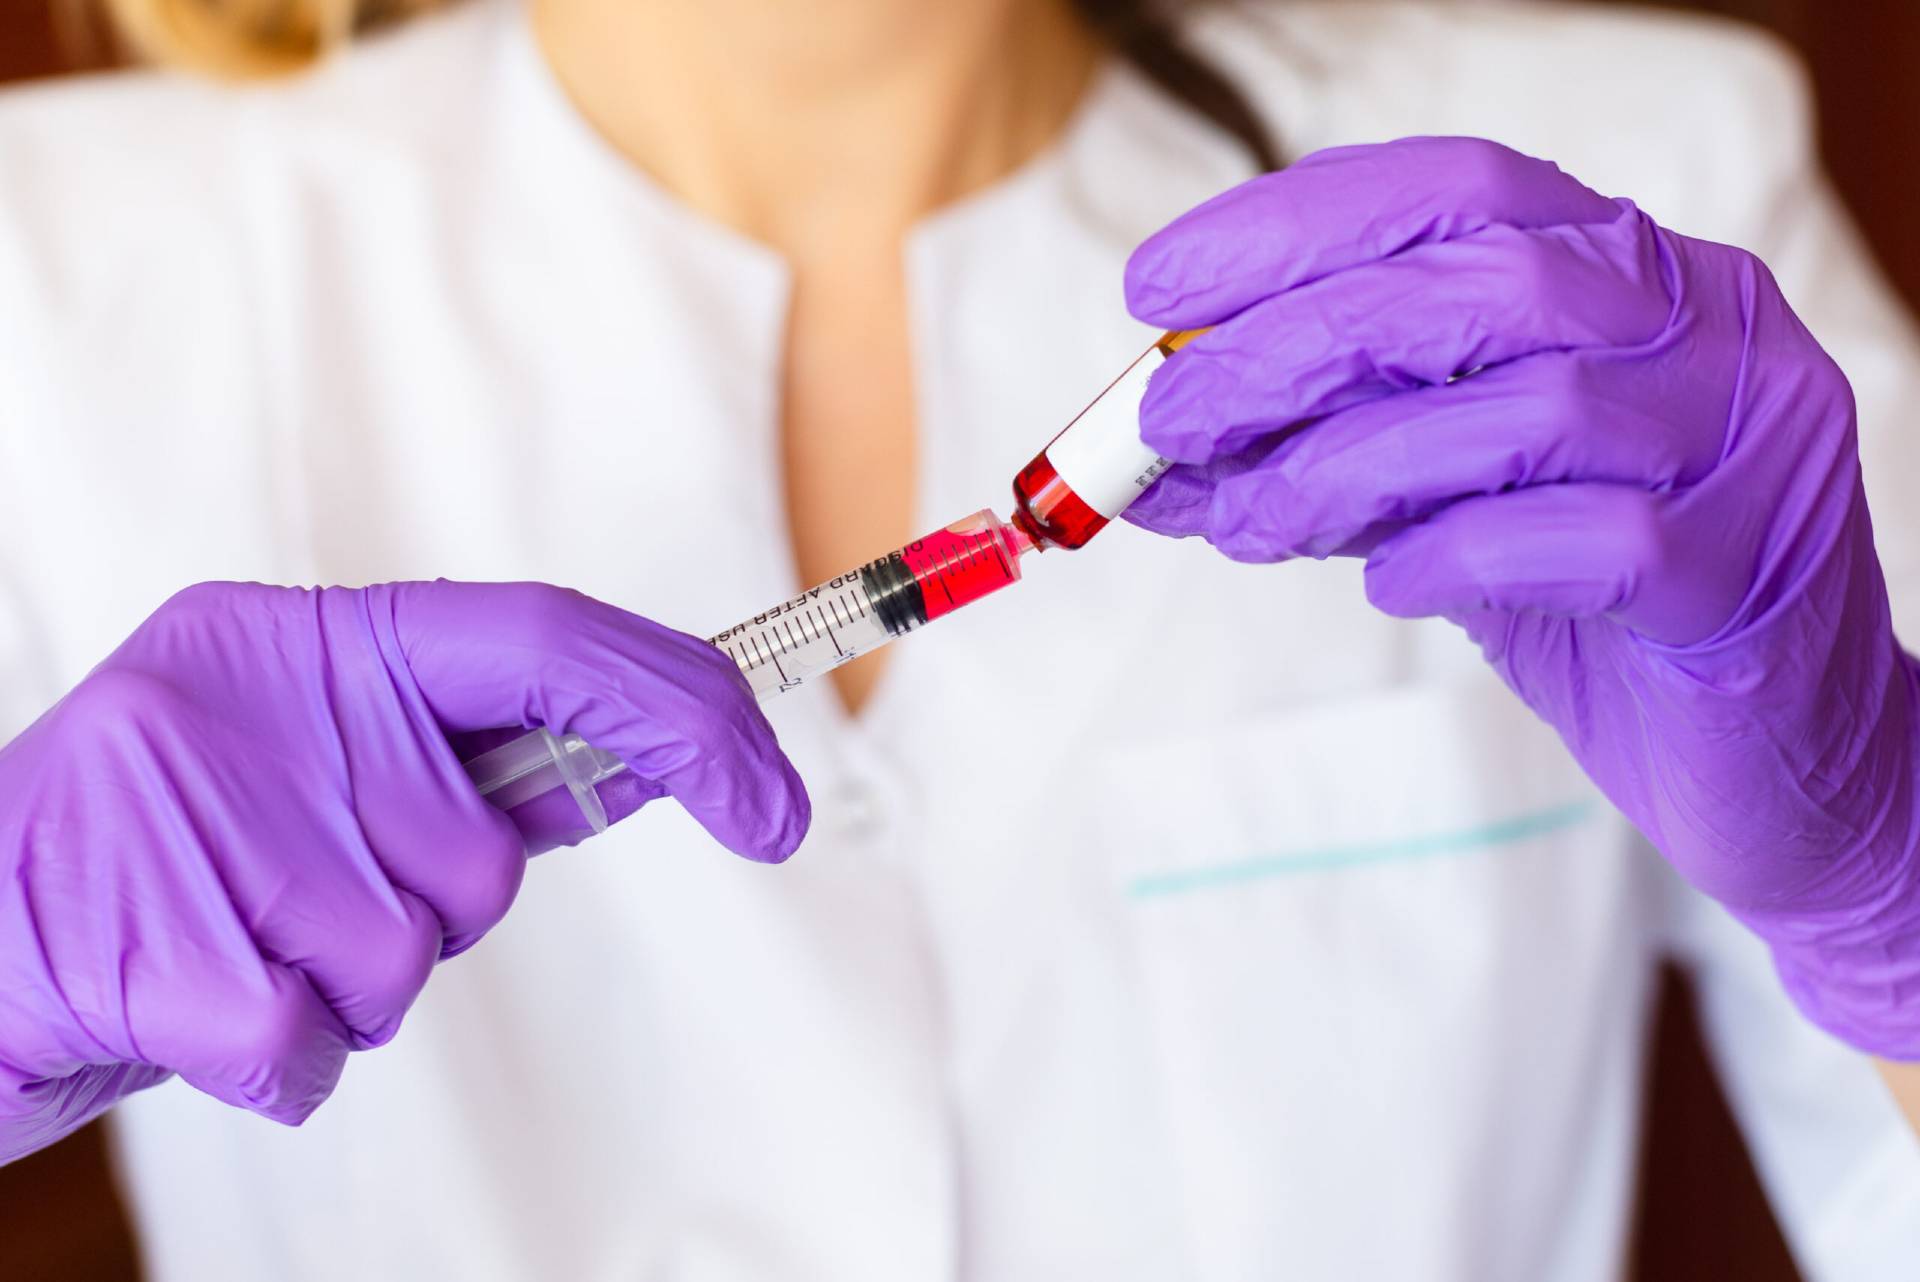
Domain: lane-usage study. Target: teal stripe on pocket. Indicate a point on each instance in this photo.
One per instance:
(1462, 841)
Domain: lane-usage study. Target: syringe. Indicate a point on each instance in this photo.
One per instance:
(784, 647)
(1090, 472)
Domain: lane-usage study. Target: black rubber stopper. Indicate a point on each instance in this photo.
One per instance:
(894, 594)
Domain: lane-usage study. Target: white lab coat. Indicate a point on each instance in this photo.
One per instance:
(1163, 918)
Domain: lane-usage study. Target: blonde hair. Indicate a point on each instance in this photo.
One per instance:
(248, 39)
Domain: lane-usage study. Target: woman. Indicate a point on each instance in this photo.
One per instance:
(1121, 946)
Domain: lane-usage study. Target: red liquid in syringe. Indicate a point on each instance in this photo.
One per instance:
(958, 565)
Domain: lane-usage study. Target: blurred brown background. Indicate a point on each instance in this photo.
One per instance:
(1702, 1215)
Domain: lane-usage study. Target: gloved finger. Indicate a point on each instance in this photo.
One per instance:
(672, 707)
(261, 1039)
(409, 869)
(1337, 209)
(36, 1112)
(366, 947)
(1179, 503)
(1567, 416)
(1574, 551)
(1411, 322)
(422, 866)
(1175, 505)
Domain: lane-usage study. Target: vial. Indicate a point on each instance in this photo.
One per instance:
(1096, 467)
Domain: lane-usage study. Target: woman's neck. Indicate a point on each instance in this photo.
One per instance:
(802, 123)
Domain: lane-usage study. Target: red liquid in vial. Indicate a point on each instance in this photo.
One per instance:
(1050, 513)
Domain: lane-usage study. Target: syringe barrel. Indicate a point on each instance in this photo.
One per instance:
(786, 646)
(1097, 466)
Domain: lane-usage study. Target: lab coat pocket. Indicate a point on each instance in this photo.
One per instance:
(1362, 935)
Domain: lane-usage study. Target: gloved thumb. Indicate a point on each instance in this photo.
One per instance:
(670, 706)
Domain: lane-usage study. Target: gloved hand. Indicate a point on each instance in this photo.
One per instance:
(1645, 506)
(237, 848)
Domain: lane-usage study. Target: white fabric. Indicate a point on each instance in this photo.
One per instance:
(1164, 917)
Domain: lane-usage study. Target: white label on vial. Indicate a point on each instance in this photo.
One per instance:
(1099, 455)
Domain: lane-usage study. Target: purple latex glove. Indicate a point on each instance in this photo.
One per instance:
(236, 850)
(1645, 507)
